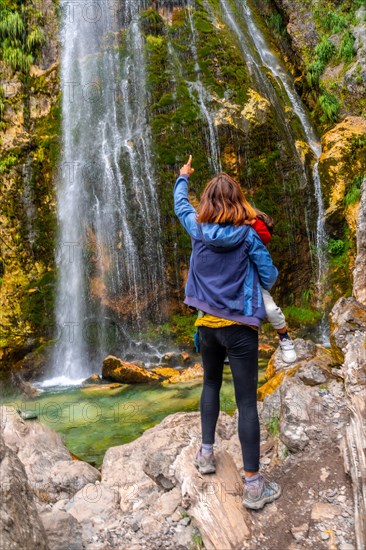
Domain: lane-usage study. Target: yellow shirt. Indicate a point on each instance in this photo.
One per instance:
(211, 321)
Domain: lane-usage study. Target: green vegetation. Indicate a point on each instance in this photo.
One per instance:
(20, 35)
(354, 191)
(273, 426)
(197, 541)
(336, 247)
(324, 52)
(330, 106)
(7, 163)
(302, 316)
(346, 49)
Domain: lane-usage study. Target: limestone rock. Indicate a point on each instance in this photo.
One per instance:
(305, 349)
(48, 463)
(167, 503)
(359, 278)
(322, 511)
(92, 379)
(70, 476)
(185, 375)
(301, 25)
(63, 530)
(298, 405)
(214, 503)
(311, 375)
(20, 525)
(346, 318)
(257, 109)
(124, 372)
(165, 372)
(335, 167)
(94, 502)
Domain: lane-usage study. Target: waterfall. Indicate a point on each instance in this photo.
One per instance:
(109, 256)
(265, 56)
(213, 144)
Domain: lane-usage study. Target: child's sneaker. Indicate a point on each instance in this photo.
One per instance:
(205, 463)
(288, 350)
(259, 492)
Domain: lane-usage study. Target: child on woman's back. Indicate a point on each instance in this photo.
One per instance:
(263, 225)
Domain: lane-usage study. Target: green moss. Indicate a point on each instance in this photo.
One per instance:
(151, 22)
(7, 163)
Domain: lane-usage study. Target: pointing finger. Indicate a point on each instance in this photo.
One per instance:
(189, 160)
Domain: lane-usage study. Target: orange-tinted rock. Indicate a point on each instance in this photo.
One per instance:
(191, 373)
(124, 372)
(165, 372)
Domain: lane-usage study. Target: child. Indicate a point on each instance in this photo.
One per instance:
(263, 225)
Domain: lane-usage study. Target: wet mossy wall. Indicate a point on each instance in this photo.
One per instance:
(323, 43)
(256, 154)
(253, 151)
(30, 142)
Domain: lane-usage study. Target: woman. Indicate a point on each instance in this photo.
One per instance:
(227, 266)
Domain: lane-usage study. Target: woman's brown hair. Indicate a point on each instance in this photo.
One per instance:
(223, 201)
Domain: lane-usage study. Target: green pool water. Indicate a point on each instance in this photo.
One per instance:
(92, 420)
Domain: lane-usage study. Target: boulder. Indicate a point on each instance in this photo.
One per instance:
(93, 379)
(305, 349)
(185, 375)
(48, 463)
(63, 530)
(127, 373)
(277, 369)
(165, 372)
(20, 524)
(298, 406)
(68, 477)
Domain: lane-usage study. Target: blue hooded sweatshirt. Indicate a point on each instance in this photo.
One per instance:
(228, 265)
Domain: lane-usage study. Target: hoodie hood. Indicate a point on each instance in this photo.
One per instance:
(221, 237)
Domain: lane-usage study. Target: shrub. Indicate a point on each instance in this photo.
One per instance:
(334, 22)
(346, 49)
(336, 247)
(354, 192)
(330, 106)
(314, 73)
(325, 50)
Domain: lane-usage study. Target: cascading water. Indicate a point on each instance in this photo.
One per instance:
(109, 254)
(273, 64)
(213, 143)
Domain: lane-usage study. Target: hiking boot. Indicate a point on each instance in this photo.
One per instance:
(259, 493)
(288, 350)
(205, 463)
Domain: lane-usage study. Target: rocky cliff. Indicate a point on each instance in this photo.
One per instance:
(252, 143)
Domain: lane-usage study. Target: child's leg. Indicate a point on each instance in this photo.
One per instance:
(277, 319)
(274, 313)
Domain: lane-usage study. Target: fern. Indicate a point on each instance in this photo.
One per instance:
(330, 106)
(346, 49)
(35, 39)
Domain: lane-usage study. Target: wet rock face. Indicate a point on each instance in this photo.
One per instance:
(20, 525)
(301, 25)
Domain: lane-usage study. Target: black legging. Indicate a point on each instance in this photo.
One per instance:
(241, 345)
